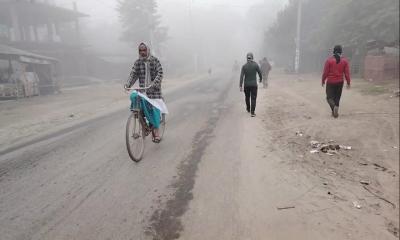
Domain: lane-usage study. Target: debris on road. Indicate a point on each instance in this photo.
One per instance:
(364, 182)
(284, 208)
(315, 144)
(379, 167)
(299, 133)
(345, 147)
(356, 205)
(378, 196)
(329, 148)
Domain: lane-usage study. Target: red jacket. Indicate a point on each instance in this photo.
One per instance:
(333, 72)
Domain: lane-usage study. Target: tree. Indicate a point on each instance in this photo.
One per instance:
(280, 37)
(141, 23)
(358, 21)
(260, 16)
(329, 22)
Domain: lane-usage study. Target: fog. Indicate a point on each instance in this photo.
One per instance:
(215, 32)
(222, 147)
(191, 36)
(200, 34)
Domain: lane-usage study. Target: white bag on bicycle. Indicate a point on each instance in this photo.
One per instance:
(157, 103)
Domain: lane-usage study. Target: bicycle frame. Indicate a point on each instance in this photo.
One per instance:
(144, 129)
(139, 112)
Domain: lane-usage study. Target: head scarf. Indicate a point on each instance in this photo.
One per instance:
(147, 78)
(337, 52)
(148, 51)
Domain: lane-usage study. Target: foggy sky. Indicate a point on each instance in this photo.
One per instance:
(194, 26)
(105, 9)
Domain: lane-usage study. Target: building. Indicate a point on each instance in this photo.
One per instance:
(45, 29)
(26, 74)
(382, 64)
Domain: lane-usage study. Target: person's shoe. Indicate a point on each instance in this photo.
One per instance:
(248, 110)
(156, 139)
(331, 103)
(336, 112)
(253, 114)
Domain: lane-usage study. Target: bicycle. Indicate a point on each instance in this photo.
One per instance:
(138, 128)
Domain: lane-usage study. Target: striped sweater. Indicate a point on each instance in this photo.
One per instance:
(156, 76)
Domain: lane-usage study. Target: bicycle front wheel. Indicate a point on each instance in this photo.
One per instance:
(162, 126)
(135, 137)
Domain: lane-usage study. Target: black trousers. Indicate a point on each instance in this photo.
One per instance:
(251, 98)
(333, 94)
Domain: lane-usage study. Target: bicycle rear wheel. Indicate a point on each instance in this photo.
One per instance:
(135, 137)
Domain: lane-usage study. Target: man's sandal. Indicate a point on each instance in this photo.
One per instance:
(156, 139)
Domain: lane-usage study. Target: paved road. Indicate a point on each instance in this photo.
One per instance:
(79, 183)
(218, 174)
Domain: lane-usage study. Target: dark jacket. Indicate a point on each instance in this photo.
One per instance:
(249, 73)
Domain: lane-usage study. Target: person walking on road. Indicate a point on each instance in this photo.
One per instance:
(335, 68)
(248, 78)
(265, 68)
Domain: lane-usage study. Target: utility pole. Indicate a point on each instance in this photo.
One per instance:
(298, 36)
(193, 32)
(77, 27)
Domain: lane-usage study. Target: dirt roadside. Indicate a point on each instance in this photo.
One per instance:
(356, 190)
(258, 179)
(30, 118)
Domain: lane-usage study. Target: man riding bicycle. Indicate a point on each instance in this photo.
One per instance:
(149, 71)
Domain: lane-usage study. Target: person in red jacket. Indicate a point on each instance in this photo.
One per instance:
(336, 68)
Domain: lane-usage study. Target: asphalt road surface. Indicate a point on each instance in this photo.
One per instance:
(79, 183)
(217, 174)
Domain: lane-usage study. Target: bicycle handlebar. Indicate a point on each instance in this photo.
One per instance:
(145, 88)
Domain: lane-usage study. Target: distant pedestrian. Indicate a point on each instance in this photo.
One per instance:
(235, 67)
(265, 69)
(248, 76)
(335, 68)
